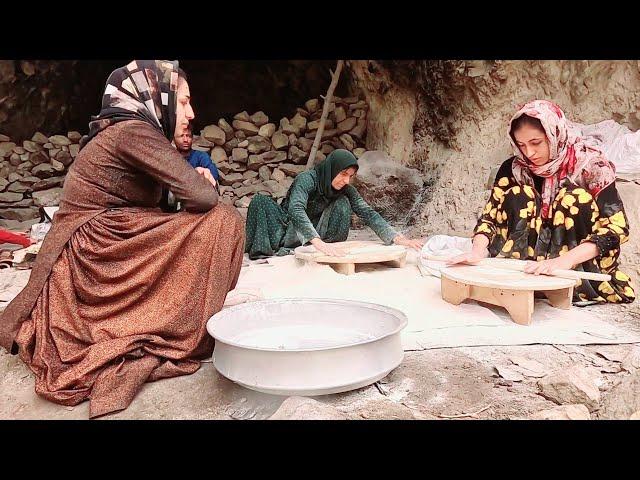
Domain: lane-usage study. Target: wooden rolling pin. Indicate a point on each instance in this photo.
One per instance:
(519, 265)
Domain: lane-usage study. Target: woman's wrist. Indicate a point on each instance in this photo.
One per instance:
(580, 254)
(480, 246)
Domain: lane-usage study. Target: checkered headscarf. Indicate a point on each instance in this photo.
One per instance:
(142, 90)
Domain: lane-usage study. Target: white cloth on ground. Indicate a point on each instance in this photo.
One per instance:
(620, 145)
(433, 323)
(441, 246)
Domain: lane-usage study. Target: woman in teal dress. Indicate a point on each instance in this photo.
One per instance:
(316, 210)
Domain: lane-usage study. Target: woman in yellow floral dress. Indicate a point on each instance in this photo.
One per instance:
(555, 202)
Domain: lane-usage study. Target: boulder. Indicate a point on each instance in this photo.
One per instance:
(47, 183)
(267, 130)
(218, 155)
(19, 187)
(10, 197)
(20, 214)
(299, 122)
(57, 166)
(571, 386)
(6, 148)
(327, 148)
(239, 155)
(563, 412)
(14, 177)
(303, 408)
(15, 160)
(40, 138)
(74, 136)
(347, 124)
(30, 180)
(265, 173)
(228, 129)
(275, 188)
(18, 225)
(44, 170)
(311, 105)
(214, 134)
(278, 175)
(359, 130)
(73, 150)
(259, 119)
(246, 190)
(296, 155)
(39, 157)
(350, 100)
(288, 128)
(25, 202)
(339, 114)
(361, 105)
(347, 141)
(230, 145)
(243, 203)
(31, 146)
(242, 116)
(292, 170)
(256, 161)
(279, 140)
(623, 400)
(47, 198)
(59, 140)
(229, 178)
(390, 188)
(199, 148)
(258, 144)
(358, 152)
(246, 127)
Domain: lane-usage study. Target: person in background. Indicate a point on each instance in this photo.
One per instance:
(197, 159)
(316, 210)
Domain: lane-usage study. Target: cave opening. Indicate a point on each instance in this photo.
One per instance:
(60, 96)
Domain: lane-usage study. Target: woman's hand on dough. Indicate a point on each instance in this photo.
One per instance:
(472, 257)
(327, 248)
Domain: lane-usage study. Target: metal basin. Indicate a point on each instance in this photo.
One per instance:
(306, 346)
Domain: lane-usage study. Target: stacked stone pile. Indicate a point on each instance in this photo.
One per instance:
(252, 153)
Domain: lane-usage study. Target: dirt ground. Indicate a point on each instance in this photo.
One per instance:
(431, 384)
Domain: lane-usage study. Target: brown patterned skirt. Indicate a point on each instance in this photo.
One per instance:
(127, 302)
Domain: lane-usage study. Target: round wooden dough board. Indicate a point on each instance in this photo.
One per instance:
(382, 253)
(482, 276)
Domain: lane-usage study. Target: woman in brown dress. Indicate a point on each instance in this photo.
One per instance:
(121, 292)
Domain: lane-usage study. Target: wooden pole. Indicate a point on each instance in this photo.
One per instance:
(325, 112)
